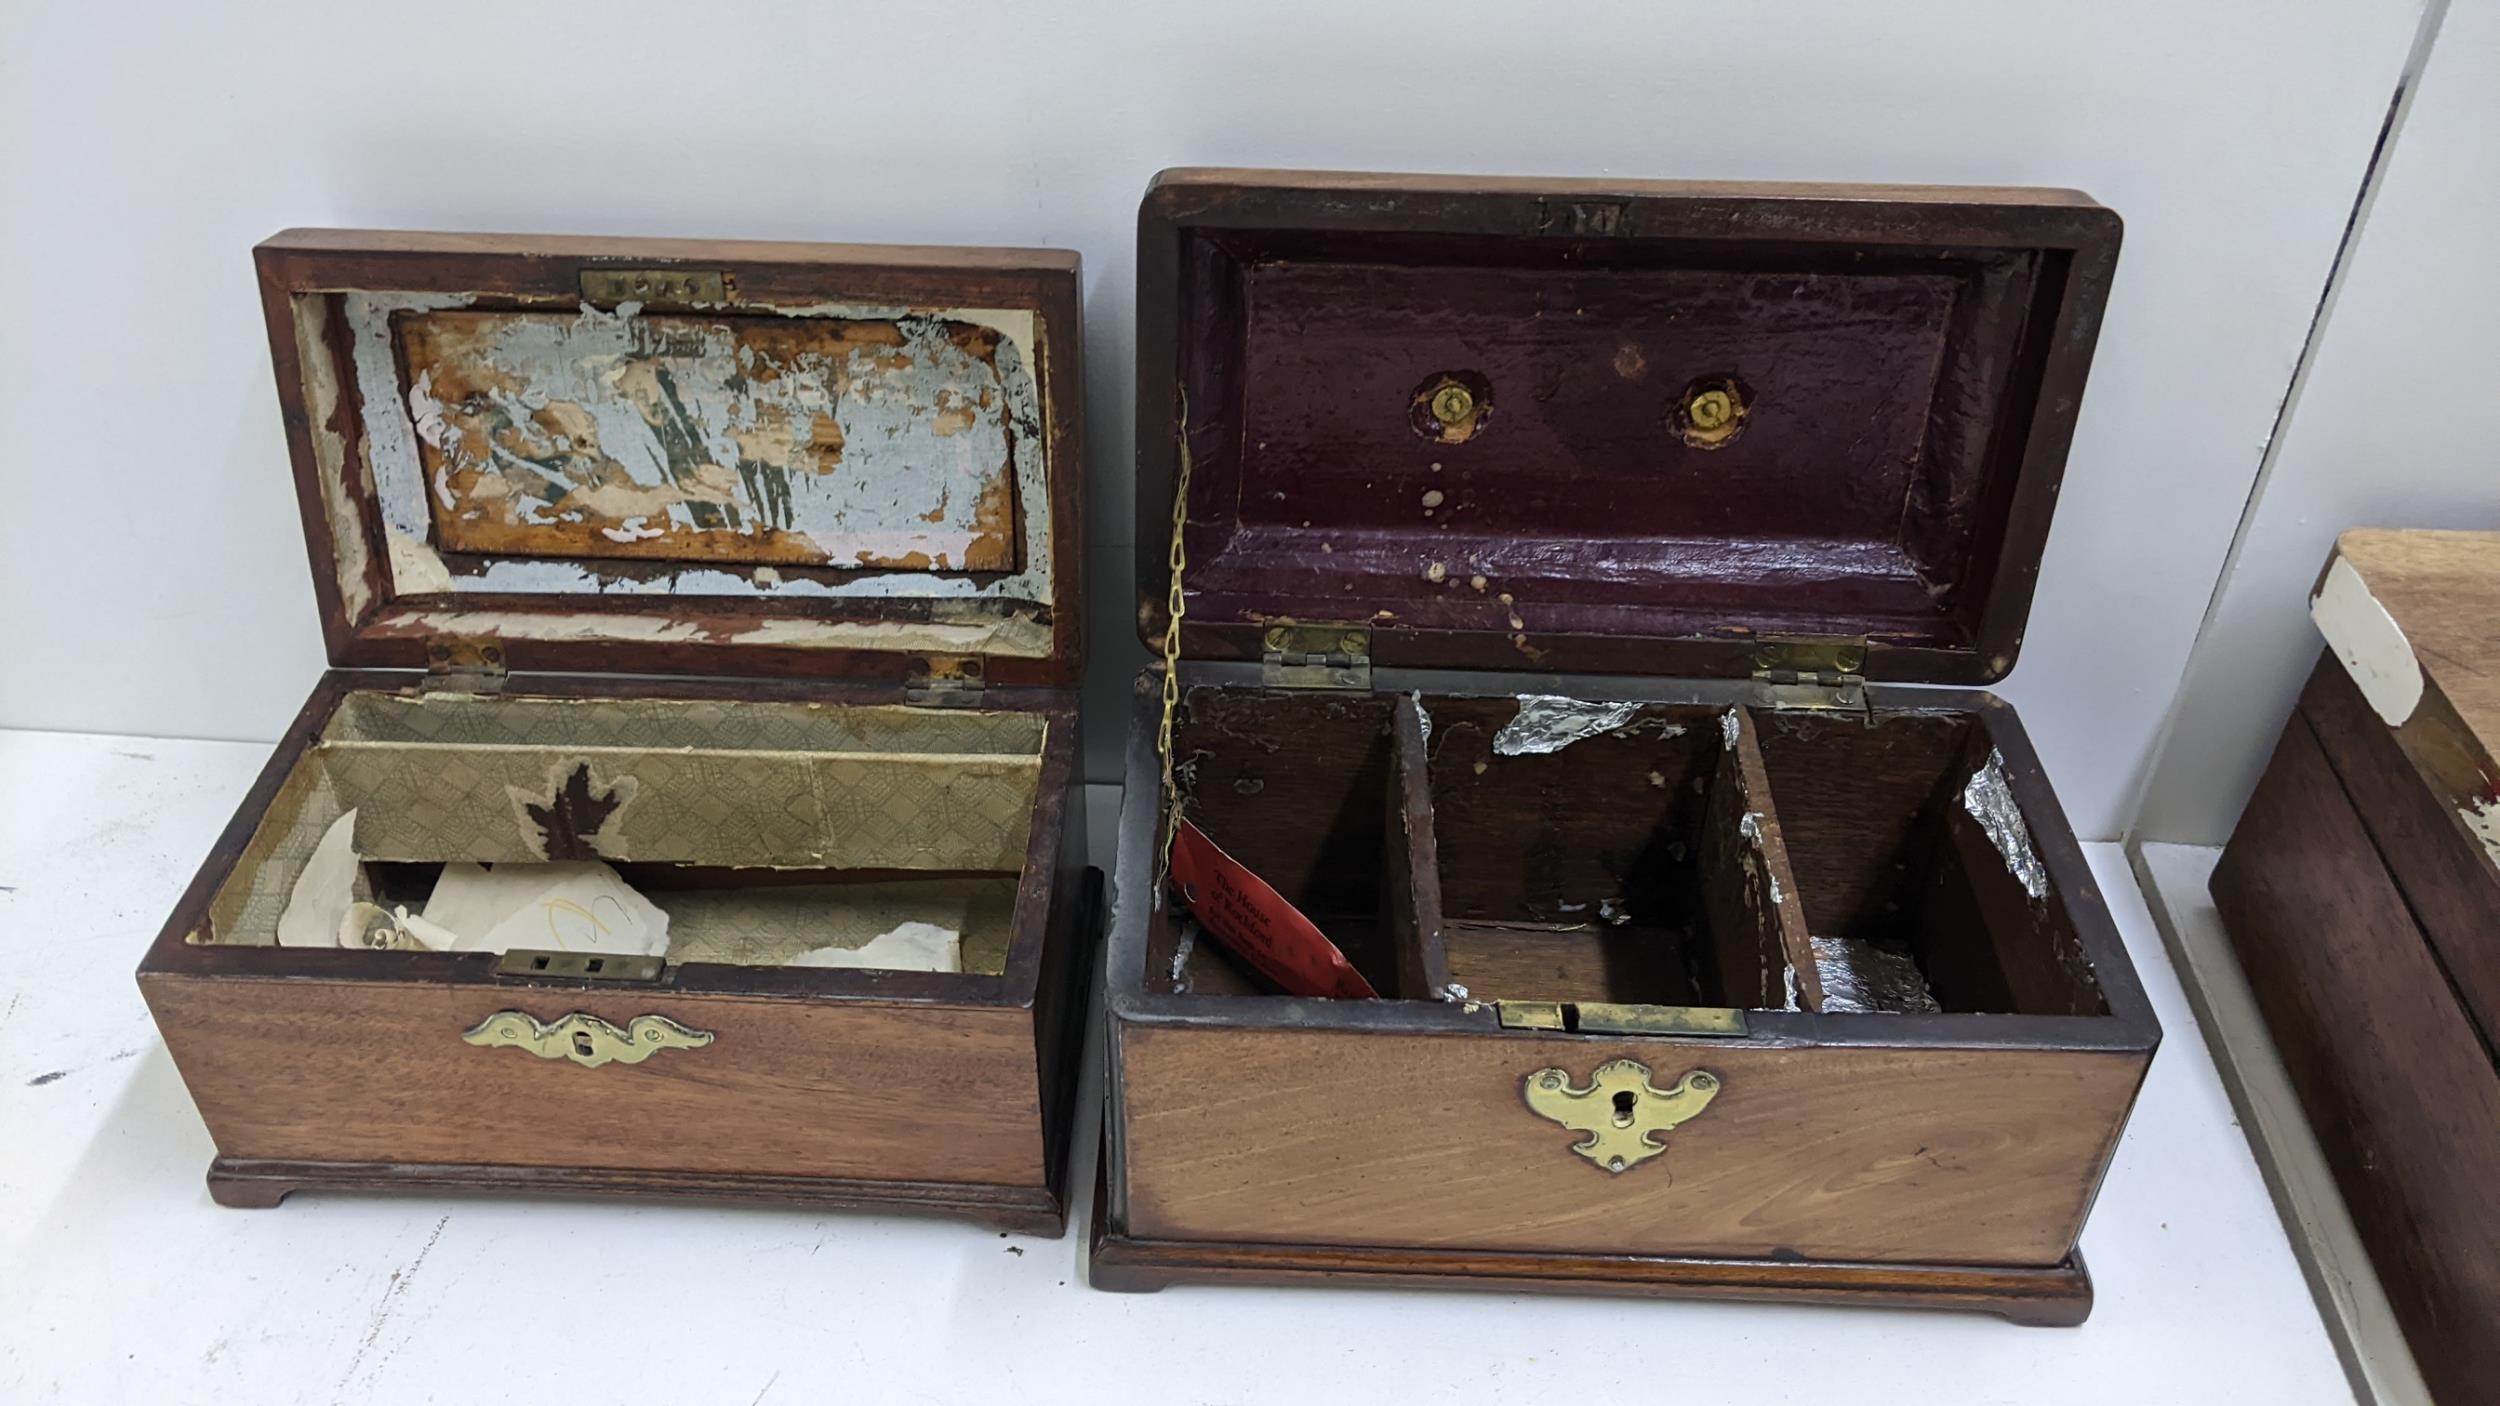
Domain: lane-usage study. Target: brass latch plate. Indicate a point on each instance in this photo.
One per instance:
(580, 966)
(1614, 1018)
(1317, 656)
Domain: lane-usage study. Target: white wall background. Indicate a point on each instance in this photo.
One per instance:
(2397, 424)
(150, 567)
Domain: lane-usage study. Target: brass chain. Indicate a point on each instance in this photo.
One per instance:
(1174, 607)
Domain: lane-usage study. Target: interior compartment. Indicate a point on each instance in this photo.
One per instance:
(1295, 786)
(1606, 436)
(1501, 848)
(1907, 845)
(763, 829)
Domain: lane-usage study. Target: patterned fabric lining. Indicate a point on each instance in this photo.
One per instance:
(716, 784)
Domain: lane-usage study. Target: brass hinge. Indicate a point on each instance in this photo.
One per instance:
(1826, 674)
(1613, 1018)
(463, 666)
(1317, 656)
(946, 681)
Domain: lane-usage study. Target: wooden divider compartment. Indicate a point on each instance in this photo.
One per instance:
(1686, 855)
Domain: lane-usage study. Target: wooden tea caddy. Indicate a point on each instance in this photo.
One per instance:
(1466, 461)
(788, 630)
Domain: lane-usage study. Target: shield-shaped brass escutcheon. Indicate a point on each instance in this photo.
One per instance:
(1625, 1117)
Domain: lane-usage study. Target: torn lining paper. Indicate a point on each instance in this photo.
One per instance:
(910, 947)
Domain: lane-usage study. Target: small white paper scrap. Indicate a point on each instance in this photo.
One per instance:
(562, 907)
(318, 906)
(912, 947)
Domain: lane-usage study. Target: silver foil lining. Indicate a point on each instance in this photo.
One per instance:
(1990, 801)
(1865, 977)
(1549, 724)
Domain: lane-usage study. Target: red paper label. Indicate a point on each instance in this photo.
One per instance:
(1254, 920)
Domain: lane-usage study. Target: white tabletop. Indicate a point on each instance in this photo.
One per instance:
(120, 1281)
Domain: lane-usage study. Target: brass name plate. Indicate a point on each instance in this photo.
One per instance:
(654, 286)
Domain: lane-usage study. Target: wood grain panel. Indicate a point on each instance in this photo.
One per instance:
(325, 1071)
(1749, 896)
(1983, 941)
(2448, 879)
(1964, 1156)
(2402, 1092)
(1584, 962)
(1854, 806)
(1410, 879)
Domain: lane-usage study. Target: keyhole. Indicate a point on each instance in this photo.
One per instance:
(581, 1042)
(1623, 1108)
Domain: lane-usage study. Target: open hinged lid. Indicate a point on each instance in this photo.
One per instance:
(685, 456)
(1607, 426)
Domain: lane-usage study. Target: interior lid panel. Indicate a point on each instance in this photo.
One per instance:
(1903, 369)
(682, 456)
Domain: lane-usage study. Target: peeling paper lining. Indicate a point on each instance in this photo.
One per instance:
(1548, 724)
(911, 947)
(394, 424)
(2482, 818)
(2368, 642)
(1990, 801)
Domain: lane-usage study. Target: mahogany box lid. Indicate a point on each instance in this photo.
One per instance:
(637, 456)
(1598, 426)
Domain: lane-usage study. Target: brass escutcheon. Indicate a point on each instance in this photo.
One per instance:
(586, 1039)
(1620, 1110)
